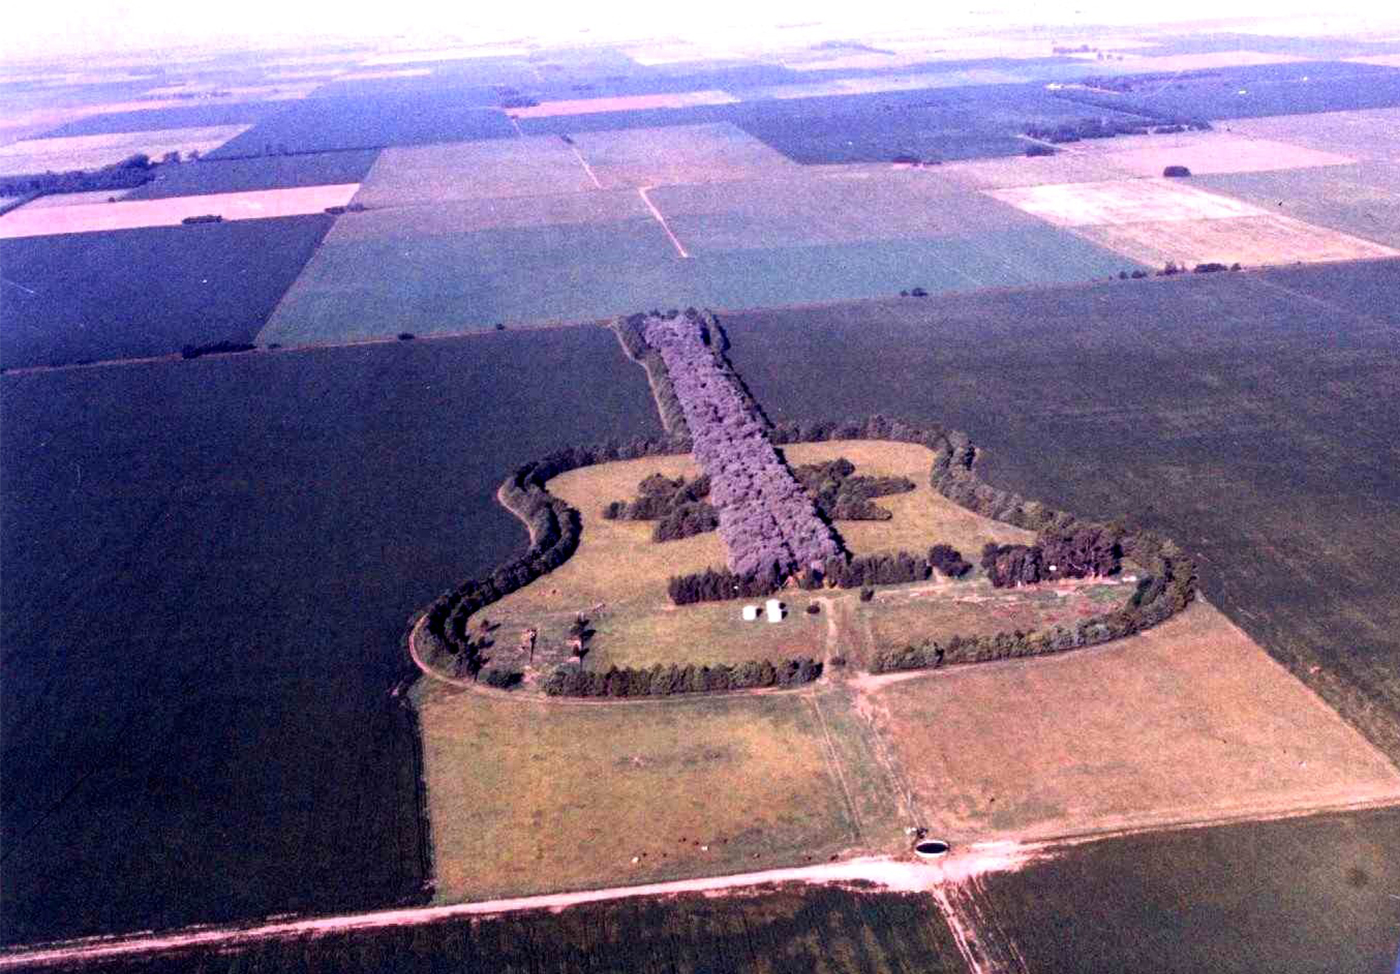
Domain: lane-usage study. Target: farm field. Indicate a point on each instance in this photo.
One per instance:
(1204, 153)
(249, 175)
(216, 739)
(1244, 415)
(619, 567)
(824, 930)
(679, 154)
(64, 153)
(179, 116)
(433, 174)
(453, 283)
(1199, 724)
(171, 211)
(371, 121)
(1256, 90)
(1362, 200)
(1370, 134)
(531, 797)
(1154, 221)
(1237, 898)
(623, 103)
(136, 293)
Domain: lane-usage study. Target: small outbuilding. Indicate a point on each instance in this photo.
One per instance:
(750, 613)
(775, 610)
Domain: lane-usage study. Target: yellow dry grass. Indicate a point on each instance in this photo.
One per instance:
(1251, 240)
(1188, 721)
(1122, 201)
(530, 797)
(617, 564)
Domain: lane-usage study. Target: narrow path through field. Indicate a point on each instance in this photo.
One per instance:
(586, 167)
(642, 190)
(881, 871)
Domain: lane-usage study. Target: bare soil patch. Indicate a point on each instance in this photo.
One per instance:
(1188, 721)
(130, 214)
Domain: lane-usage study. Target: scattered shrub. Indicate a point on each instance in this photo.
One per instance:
(1176, 172)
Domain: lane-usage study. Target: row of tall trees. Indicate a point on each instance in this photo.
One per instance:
(664, 680)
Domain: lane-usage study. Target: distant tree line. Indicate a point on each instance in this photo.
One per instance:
(131, 172)
(663, 680)
(215, 348)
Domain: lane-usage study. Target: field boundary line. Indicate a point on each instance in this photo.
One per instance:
(835, 761)
(642, 191)
(586, 167)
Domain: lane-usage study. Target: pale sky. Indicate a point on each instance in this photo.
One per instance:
(89, 26)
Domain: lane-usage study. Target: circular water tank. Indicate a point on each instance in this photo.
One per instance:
(931, 849)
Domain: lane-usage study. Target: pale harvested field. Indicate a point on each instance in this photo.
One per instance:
(510, 212)
(536, 165)
(381, 75)
(624, 103)
(1190, 720)
(208, 93)
(1370, 134)
(1251, 240)
(1020, 171)
(130, 214)
(1204, 61)
(1122, 201)
(679, 154)
(1205, 153)
(94, 151)
(529, 797)
(74, 199)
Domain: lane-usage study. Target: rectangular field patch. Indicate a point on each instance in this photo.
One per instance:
(1122, 201)
(133, 214)
(533, 166)
(1362, 200)
(66, 153)
(1367, 134)
(662, 155)
(624, 103)
(1188, 721)
(1250, 240)
(1204, 153)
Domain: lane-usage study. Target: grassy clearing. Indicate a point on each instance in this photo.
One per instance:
(1187, 721)
(619, 567)
(528, 797)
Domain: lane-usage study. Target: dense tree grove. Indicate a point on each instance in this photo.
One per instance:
(554, 529)
(1167, 587)
(768, 523)
(948, 561)
(841, 496)
(1085, 551)
(678, 508)
(664, 680)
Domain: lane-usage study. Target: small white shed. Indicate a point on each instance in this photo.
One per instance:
(750, 613)
(775, 610)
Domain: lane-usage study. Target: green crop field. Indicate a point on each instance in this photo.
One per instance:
(1363, 200)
